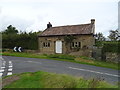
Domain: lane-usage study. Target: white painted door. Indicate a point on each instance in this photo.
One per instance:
(58, 46)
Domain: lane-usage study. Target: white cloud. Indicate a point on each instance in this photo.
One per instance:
(59, 0)
(17, 22)
(35, 14)
(0, 10)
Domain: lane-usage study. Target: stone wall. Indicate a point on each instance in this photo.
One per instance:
(87, 53)
(86, 41)
(31, 51)
(112, 57)
(97, 53)
(51, 49)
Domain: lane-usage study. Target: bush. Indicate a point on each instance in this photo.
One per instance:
(26, 41)
(7, 50)
(111, 47)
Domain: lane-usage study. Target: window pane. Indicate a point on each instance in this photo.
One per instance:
(48, 44)
(79, 45)
(76, 45)
(43, 44)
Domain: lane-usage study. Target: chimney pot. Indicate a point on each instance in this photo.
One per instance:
(49, 25)
(92, 21)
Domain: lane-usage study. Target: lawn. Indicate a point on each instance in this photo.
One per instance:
(42, 79)
(69, 58)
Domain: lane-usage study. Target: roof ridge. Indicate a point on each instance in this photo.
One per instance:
(72, 25)
(68, 30)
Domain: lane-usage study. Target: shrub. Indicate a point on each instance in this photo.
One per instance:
(111, 47)
(26, 41)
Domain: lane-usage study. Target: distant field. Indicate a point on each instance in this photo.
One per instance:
(81, 60)
(51, 80)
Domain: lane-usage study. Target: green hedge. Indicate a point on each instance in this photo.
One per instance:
(111, 47)
(26, 41)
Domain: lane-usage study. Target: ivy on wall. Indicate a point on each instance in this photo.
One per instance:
(69, 38)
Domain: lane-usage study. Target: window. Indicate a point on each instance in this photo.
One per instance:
(46, 44)
(76, 44)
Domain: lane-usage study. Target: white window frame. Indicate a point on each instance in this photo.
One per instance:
(76, 44)
(46, 44)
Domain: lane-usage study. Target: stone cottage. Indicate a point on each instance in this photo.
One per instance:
(70, 39)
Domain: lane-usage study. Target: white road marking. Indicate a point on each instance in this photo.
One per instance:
(1, 74)
(4, 62)
(94, 71)
(2, 67)
(10, 69)
(33, 62)
(10, 61)
(1, 58)
(2, 70)
(29, 61)
(10, 66)
(9, 73)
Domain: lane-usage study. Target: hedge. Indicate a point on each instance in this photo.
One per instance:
(111, 47)
(26, 41)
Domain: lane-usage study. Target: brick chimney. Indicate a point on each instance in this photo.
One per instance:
(92, 21)
(49, 25)
(93, 25)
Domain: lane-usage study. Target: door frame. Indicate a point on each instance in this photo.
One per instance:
(60, 46)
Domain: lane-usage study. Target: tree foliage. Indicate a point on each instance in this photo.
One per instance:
(10, 30)
(111, 47)
(114, 34)
(69, 38)
(11, 38)
(99, 38)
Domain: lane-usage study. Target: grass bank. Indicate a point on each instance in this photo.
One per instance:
(51, 80)
(69, 58)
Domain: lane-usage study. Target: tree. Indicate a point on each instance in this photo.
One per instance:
(10, 30)
(114, 34)
(100, 37)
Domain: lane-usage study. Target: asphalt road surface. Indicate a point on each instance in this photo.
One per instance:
(12, 65)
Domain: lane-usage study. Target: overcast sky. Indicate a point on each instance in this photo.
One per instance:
(33, 15)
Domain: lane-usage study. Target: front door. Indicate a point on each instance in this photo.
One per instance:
(58, 46)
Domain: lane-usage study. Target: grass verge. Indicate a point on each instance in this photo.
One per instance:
(69, 58)
(51, 80)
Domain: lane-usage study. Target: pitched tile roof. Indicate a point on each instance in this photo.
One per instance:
(69, 30)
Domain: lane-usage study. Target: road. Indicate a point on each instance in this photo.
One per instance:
(12, 65)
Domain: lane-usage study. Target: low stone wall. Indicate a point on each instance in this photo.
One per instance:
(31, 51)
(87, 53)
(24, 50)
(112, 57)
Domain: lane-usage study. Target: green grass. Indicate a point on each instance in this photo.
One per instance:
(69, 58)
(51, 80)
(61, 56)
